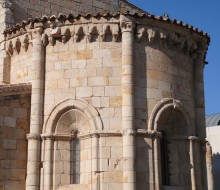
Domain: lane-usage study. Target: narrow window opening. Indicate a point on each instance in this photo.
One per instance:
(75, 162)
(164, 160)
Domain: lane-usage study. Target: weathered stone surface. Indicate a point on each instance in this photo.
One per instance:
(103, 88)
(13, 144)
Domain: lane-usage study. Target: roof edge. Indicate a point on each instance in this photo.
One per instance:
(21, 25)
(134, 6)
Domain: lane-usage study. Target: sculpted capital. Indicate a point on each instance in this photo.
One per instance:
(127, 23)
(127, 27)
(36, 33)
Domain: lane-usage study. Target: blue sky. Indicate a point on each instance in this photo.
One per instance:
(202, 14)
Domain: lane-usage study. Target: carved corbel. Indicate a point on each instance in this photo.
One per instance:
(176, 41)
(89, 37)
(72, 33)
(102, 36)
(45, 39)
(115, 32)
(163, 35)
(151, 35)
(38, 25)
(171, 39)
(198, 55)
(176, 103)
(99, 31)
(56, 32)
(192, 48)
(103, 32)
(76, 38)
(141, 32)
(85, 32)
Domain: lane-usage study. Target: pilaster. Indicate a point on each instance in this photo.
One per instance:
(210, 182)
(129, 173)
(36, 122)
(198, 61)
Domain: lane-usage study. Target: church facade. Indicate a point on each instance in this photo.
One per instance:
(108, 100)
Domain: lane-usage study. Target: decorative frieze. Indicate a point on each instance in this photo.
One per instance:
(16, 45)
(95, 28)
(166, 38)
(16, 89)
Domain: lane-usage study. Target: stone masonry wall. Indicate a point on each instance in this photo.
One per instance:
(14, 125)
(159, 74)
(90, 71)
(91, 63)
(21, 66)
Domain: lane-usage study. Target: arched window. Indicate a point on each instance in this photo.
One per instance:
(174, 149)
(67, 144)
(164, 159)
(75, 161)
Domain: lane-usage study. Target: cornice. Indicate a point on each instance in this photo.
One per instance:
(15, 89)
(84, 18)
(148, 27)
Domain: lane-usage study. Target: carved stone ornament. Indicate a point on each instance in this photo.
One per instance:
(129, 132)
(165, 38)
(127, 27)
(149, 133)
(32, 136)
(45, 39)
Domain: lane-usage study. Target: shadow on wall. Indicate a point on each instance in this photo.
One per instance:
(216, 170)
(20, 13)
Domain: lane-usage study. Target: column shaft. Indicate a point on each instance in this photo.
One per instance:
(33, 175)
(209, 167)
(157, 165)
(48, 164)
(192, 171)
(95, 162)
(129, 173)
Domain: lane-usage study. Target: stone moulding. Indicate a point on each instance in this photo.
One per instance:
(73, 187)
(161, 107)
(67, 28)
(68, 137)
(92, 115)
(15, 89)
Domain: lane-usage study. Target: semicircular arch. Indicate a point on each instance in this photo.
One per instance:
(63, 109)
(163, 106)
